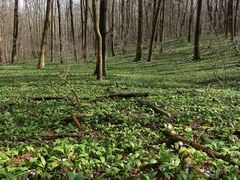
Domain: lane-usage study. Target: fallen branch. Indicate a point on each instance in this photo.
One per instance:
(154, 107)
(48, 98)
(75, 119)
(126, 95)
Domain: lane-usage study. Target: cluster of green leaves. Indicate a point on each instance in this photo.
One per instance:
(117, 140)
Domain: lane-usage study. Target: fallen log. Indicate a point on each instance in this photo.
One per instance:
(154, 107)
(48, 98)
(126, 95)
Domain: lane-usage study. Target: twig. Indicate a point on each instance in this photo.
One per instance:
(72, 90)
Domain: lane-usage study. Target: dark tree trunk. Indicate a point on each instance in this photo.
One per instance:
(140, 29)
(15, 33)
(162, 27)
(103, 30)
(190, 22)
(85, 30)
(113, 29)
(196, 55)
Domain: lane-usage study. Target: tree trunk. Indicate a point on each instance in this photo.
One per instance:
(230, 19)
(15, 33)
(52, 32)
(113, 29)
(60, 31)
(154, 24)
(98, 40)
(85, 30)
(236, 18)
(196, 55)
(73, 31)
(162, 27)
(103, 31)
(140, 29)
(190, 22)
(41, 63)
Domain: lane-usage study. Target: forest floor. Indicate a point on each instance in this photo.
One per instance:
(119, 137)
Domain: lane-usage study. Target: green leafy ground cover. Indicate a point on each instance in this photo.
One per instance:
(202, 97)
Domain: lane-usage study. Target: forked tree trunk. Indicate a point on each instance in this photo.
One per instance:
(41, 63)
(98, 40)
(140, 29)
(15, 33)
(196, 55)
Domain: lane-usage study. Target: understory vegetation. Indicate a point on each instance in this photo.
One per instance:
(120, 138)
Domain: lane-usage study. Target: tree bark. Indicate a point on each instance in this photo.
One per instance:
(98, 40)
(230, 19)
(103, 31)
(154, 24)
(140, 29)
(162, 27)
(85, 30)
(60, 31)
(15, 33)
(113, 29)
(41, 63)
(236, 18)
(196, 55)
(190, 22)
(73, 31)
(52, 33)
